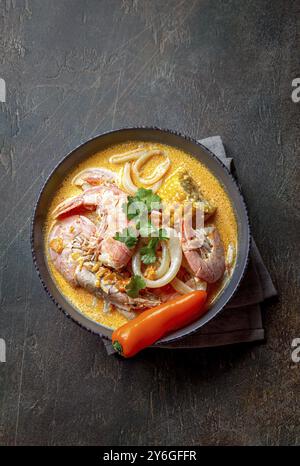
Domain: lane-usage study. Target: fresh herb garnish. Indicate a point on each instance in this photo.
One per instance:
(136, 284)
(148, 197)
(146, 229)
(138, 208)
(143, 202)
(134, 209)
(163, 234)
(127, 236)
(148, 252)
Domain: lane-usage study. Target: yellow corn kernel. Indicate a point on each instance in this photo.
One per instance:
(75, 256)
(101, 272)
(172, 189)
(181, 188)
(96, 267)
(81, 262)
(57, 245)
(110, 276)
(150, 272)
(121, 284)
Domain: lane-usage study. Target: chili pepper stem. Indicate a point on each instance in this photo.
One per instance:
(117, 347)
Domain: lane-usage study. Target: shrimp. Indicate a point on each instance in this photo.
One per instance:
(74, 251)
(94, 198)
(69, 242)
(94, 177)
(204, 252)
(107, 200)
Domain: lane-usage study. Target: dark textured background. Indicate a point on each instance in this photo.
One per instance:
(75, 68)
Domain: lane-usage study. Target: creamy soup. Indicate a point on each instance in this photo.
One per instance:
(222, 219)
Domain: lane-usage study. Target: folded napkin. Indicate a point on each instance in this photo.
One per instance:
(240, 321)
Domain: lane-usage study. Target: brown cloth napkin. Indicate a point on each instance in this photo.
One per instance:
(241, 320)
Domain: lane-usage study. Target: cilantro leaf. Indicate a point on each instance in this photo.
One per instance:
(163, 234)
(147, 229)
(148, 252)
(144, 201)
(128, 237)
(148, 197)
(136, 284)
(134, 208)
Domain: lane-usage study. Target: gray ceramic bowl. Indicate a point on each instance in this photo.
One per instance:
(144, 134)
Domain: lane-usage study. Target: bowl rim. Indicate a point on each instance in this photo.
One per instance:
(167, 339)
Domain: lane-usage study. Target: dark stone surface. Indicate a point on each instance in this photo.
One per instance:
(76, 68)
